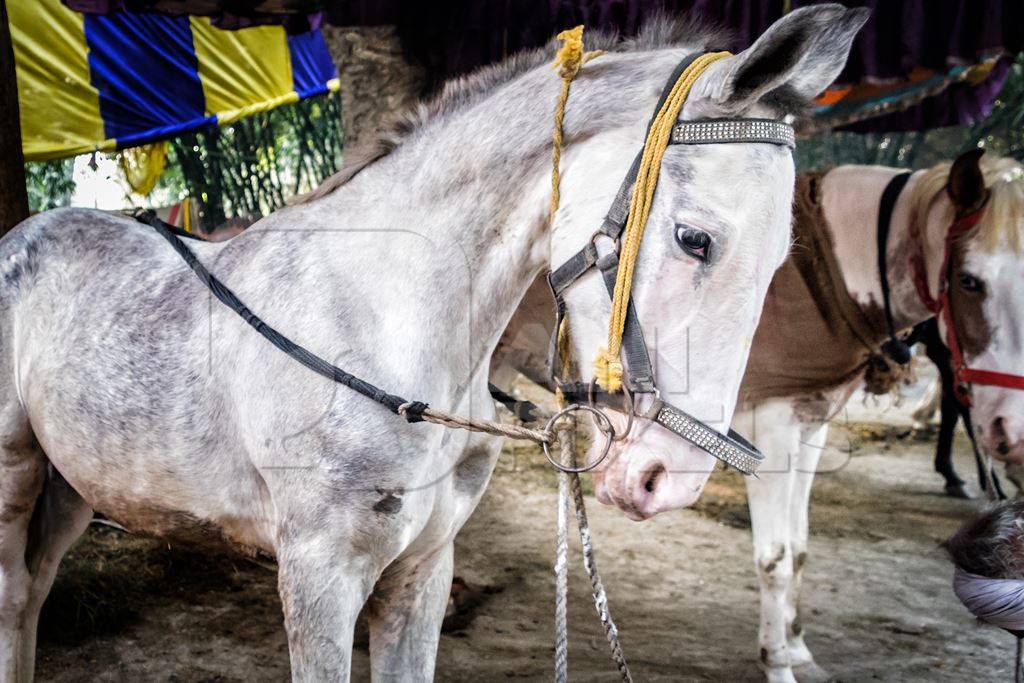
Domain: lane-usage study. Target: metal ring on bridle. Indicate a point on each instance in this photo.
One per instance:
(627, 400)
(603, 424)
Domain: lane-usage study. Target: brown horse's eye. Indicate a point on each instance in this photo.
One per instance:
(694, 242)
(969, 283)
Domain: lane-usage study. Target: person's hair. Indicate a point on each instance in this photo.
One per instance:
(992, 544)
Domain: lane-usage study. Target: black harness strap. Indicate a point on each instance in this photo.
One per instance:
(894, 347)
(573, 269)
(526, 411)
(414, 409)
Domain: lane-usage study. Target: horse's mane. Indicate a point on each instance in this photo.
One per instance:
(659, 31)
(1002, 224)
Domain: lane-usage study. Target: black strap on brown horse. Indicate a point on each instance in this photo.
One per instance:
(894, 347)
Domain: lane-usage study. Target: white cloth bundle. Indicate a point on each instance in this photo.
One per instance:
(998, 601)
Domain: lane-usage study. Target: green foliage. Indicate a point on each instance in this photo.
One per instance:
(1002, 132)
(247, 169)
(50, 184)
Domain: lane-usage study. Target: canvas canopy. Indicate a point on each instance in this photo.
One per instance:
(112, 81)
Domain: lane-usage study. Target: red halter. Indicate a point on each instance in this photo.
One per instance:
(940, 306)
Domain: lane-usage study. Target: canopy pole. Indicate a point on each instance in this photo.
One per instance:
(13, 195)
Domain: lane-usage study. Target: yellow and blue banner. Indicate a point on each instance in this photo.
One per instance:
(112, 81)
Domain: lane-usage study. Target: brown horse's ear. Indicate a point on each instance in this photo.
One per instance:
(966, 185)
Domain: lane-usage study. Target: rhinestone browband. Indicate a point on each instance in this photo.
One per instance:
(733, 130)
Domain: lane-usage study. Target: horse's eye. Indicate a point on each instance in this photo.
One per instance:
(969, 283)
(694, 242)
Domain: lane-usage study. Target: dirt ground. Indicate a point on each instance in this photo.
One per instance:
(877, 598)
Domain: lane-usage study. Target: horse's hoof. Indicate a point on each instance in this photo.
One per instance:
(809, 672)
(960, 491)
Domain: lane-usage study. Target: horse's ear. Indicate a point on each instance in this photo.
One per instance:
(966, 184)
(804, 51)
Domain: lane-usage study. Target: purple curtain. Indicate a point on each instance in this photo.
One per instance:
(455, 37)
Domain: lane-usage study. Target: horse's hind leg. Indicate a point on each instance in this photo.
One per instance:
(22, 471)
(60, 517)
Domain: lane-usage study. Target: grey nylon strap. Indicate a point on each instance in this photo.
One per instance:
(615, 219)
(640, 377)
(573, 269)
(554, 361)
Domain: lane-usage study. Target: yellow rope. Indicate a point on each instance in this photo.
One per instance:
(570, 59)
(607, 365)
(564, 348)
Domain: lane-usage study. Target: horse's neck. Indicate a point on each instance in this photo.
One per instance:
(453, 226)
(851, 196)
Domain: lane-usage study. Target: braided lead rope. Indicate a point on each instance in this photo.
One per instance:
(566, 437)
(597, 586)
(456, 421)
(564, 433)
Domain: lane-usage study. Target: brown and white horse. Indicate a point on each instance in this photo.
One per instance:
(822, 322)
(984, 296)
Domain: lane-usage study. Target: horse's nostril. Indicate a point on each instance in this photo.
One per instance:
(652, 478)
(1003, 448)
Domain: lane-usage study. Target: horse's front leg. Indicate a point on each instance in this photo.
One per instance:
(406, 611)
(773, 428)
(812, 444)
(323, 585)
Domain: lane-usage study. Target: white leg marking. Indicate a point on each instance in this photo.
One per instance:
(814, 436)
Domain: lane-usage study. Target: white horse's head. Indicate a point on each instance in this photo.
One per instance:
(718, 229)
(986, 285)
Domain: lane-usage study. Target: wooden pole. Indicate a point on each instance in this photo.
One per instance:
(13, 196)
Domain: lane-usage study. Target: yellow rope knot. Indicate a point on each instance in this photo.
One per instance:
(570, 56)
(608, 370)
